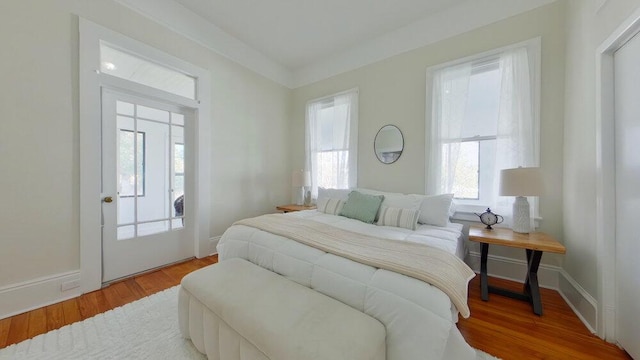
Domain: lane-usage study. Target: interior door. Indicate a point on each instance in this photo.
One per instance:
(627, 163)
(143, 178)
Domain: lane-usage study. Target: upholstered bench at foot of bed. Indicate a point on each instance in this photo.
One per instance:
(235, 310)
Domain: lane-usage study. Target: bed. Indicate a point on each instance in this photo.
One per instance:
(419, 317)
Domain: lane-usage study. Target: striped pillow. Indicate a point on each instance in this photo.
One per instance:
(398, 217)
(330, 206)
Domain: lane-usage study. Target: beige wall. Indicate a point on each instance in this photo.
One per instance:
(39, 131)
(589, 23)
(393, 92)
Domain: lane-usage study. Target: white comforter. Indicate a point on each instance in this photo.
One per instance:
(445, 238)
(418, 317)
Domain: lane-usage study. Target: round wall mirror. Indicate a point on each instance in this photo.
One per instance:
(388, 144)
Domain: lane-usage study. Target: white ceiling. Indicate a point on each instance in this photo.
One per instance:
(297, 33)
(298, 42)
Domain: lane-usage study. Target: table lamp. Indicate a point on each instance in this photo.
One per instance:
(521, 182)
(300, 179)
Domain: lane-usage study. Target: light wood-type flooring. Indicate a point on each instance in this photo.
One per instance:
(503, 327)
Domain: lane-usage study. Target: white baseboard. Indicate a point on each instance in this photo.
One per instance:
(213, 243)
(18, 298)
(583, 304)
(515, 270)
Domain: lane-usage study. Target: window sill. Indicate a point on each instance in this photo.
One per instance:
(469, 215)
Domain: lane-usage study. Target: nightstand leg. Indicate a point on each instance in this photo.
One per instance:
(527, 286)
(484, 280)
(531, 286)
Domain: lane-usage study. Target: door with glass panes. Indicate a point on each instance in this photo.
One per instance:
(143, 184)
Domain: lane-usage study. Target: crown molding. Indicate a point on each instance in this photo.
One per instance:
(194, 27)
(459, 19)
(450, 22)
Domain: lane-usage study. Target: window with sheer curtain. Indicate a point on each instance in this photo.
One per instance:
(332, 141)
(483, 117)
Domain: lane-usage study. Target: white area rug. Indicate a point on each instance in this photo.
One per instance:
(144, 329)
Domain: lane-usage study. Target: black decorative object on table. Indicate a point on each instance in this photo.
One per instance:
(488, 218)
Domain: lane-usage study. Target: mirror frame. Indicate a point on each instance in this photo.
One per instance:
(375, 151)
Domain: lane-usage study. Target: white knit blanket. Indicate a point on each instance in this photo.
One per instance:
(429, 264)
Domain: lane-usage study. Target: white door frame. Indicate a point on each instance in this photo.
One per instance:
(91, 83)
(605, 175)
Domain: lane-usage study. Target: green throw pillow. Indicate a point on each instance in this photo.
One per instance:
(362, 207)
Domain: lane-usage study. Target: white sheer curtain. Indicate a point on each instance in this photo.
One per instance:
(517, 132)
(449, 105)
(331, 139)
(518, 135)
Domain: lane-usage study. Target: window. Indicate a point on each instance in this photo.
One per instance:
(331, 141)
(467, 160)
(483, 117)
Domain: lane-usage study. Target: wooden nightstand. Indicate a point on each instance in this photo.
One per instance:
(534, 243)
(293, 207)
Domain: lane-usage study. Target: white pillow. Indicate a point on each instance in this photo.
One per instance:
(403, 201)
(330, 206)
(435, 209)
(404, 218)
(396, 200)
(341, 194)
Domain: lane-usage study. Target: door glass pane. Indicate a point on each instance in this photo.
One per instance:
(124, 108)
(154, 204)
(131, 178)
(152, 114)
(126, 232)
(177, 224)
(178, 174)
(126, 180)
(134, 68)
(153, 228)
(177, 119)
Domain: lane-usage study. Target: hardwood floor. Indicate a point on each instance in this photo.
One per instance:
(503, 327)
(508, 328)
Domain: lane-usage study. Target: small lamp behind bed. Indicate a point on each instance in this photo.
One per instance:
(521, 182)
(299, 180)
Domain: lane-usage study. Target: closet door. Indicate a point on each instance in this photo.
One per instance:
(627, 163)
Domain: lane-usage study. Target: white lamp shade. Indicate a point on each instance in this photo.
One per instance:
(521, 182)
(300, 178)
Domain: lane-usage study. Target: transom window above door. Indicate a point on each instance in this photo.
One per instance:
(137, 69)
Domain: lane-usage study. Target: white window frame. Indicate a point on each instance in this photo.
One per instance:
(466, 211)
(353, 137)
(92, 83)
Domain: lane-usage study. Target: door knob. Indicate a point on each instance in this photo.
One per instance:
(108, 199)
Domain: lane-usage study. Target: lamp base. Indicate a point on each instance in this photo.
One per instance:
(300, 196)
(521, 217)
